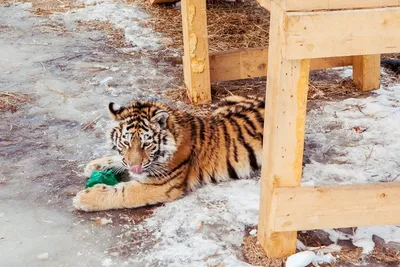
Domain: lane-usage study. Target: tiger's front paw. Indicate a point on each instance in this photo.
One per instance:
(97, 164)
(97, 198)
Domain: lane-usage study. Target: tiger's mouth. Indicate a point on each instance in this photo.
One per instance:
(136, 169)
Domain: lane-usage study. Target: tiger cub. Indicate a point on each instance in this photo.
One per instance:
(169, 152)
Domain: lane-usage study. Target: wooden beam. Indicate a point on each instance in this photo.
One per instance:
(265, 4)
(307, 208)
(309, 5)
(367, 72)
(250, 63)
(284, 123)
(195, 46)
(163, 1)
(330, 62)
(238, 64)
(351, 32)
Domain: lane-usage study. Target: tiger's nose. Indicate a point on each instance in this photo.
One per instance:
(136, 169)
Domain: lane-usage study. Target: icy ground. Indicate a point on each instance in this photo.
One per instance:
(71, 77)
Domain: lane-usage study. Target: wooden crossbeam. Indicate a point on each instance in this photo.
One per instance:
(253, 62)
(163, 1)
(351, 32)
(309, 5)
(308, 208)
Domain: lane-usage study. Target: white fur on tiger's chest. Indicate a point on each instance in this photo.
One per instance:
(142, 177)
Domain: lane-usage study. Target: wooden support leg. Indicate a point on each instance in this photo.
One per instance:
(285, 113)
(367, 72)
(196, 59)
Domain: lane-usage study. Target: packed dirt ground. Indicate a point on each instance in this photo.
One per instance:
(62, 62)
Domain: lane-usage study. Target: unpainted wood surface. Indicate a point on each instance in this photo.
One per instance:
(307, 208)
(196, 58)
(253, 62)
(285, 113)
(309, 5)
(342, 33)
(367, 72)
(162, 1)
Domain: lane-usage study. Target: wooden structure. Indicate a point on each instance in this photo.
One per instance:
(304, 35)
(343, 44)
(301, 33)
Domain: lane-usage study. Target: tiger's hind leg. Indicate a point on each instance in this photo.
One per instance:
(105, 163)
(126, 195)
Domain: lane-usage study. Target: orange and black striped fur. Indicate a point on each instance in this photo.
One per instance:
(170, 152)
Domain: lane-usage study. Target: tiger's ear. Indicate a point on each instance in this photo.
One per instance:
(115, 110)
(160, 118)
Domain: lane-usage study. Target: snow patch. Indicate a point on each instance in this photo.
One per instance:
(354, 141)
(323, 259)
(304, 258)
(300, 259)
(130, 18)
(204, 227)
(104, 221)
(43, 256)
(107, 262)
(362, 236)
(253, 232)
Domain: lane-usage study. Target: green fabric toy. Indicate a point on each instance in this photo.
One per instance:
(107, 177)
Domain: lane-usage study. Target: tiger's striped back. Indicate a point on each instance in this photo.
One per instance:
(231, 144)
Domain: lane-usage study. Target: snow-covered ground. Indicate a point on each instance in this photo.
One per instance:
(72, 77)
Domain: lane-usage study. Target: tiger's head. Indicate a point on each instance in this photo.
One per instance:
(142, 136)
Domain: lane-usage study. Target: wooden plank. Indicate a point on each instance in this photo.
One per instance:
(265, 4)
(163, 1)
(195, 46)
(285, 113)
(238, 64)
(351, 32)
(367, 72)
(330, 62)
(307, 208)
(309, 5)
(250, 63)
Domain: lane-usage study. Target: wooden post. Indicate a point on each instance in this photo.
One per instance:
(285, 113)
(196, 60)
(367, 72)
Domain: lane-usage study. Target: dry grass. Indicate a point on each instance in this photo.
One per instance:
(5, 28)
(179, 94)
(241, 25)
(254, 254)
(48, 7)
(230, 25)
(324, 85)
(52, 27)
(390, 56)
(12, 101)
